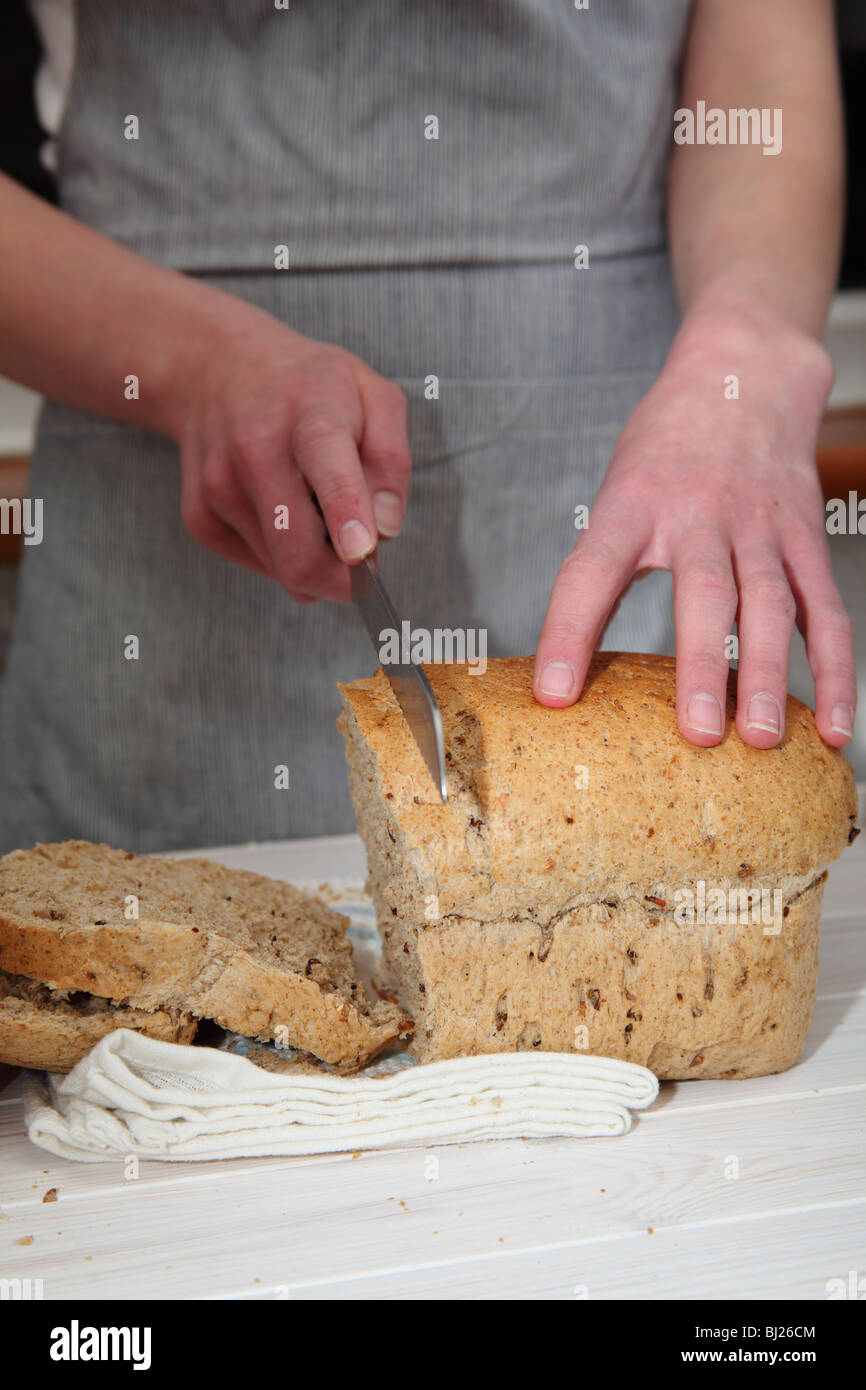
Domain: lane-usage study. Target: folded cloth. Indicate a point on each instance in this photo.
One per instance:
(136, 1095)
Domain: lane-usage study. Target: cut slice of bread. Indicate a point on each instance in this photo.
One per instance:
(49, 1032)
(255, 954)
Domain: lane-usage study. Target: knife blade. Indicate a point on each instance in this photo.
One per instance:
(412, 689)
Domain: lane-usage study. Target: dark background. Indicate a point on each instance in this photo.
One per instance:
(20, 134)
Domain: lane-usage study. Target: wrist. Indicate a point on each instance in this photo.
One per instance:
(750, 298)
(207, 327)
(740, 326)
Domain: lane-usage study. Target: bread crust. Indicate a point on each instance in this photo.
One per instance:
(255, 954)
(563, 832)
(47, 1032)
(689, 1003)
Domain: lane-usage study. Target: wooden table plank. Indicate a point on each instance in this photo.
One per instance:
(776, 1257)
(500, 1220)
(834, 1066)
(347, 1218)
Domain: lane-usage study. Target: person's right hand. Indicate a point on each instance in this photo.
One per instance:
(271, 420)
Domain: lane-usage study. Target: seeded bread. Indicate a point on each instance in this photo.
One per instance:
(538, 908)
(256, 955)
(51, 1032)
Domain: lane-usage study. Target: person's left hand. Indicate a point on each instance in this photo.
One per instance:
(725, 494)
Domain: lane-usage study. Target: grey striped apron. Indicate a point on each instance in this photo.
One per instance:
(451, 257)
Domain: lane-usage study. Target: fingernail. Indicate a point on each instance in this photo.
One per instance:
(764, 713)
(842, 720)
(355, 540)
(388, 512)
(557, 679)
(704, 714)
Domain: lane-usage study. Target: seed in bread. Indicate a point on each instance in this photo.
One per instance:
(537, 908)
(255, 954)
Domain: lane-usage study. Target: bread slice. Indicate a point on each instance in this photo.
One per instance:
(536, 908)
(256, 955)
(50, 1032)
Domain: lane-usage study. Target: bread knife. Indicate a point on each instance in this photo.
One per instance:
(412, 690)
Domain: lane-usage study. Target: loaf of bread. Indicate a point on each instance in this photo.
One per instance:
(51, 1032)
(254, 954)
(546, 905)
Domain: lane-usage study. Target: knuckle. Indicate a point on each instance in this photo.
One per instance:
(338, 493)
(590, 560)
(566, 631)
(195, 517)
(836, 629)
(251, 448)
(712, 583)
(769, 591)
(760, 520)
(704, 660)
(399, 401)
(393, 459)
(299, 573)
(218, 489)
(804, 539)
(315, 428)
(392, 395)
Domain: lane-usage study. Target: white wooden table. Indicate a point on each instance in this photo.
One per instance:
(749, 1189)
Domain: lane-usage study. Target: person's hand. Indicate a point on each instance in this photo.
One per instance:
(725, 494)
(272, 420)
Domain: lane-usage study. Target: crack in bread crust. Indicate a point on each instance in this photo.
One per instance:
(508, 915)
(737, 1002)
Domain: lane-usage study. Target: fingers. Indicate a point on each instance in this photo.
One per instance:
(300, 557)
(705, 605)
(210, 530)
(588, 584)
(324, 452)
(385, 453)
(765, 625)
(285, 539)
(286, 432)
(828, 634)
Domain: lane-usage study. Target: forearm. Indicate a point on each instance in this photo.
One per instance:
(80, 313)
(759, 234)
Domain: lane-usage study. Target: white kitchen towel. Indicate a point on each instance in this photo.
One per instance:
(135, 1095)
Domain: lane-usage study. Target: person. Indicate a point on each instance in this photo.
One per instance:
(298, 247)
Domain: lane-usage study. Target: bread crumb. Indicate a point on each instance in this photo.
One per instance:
(650, 1230)
(24, 1240)
(51, 1195)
